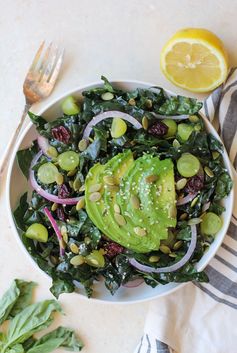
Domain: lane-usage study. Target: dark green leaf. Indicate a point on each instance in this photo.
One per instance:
(180, 105)
(24, 159)
(60, 337)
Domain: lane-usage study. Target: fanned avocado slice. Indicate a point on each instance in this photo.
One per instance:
(157, 209)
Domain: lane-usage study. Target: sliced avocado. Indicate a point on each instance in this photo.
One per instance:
(157, 209)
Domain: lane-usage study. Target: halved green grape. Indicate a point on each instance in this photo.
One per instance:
(95, 259)
(118, 128)
(68, 160)
(184, 131)
(172, 127)
(47, 173)
(211, 224)
(70, 107)
(188, 165)
(37, 232)
(107, 96)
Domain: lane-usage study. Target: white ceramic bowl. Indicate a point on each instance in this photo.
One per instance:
(17, 185)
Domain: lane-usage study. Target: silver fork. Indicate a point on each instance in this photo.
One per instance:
(38, 84)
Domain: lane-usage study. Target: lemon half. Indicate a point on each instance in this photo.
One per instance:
(195, 59)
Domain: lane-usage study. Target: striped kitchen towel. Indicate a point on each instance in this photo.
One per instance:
(202, 318)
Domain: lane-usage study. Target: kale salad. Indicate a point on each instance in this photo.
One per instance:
(127, 189)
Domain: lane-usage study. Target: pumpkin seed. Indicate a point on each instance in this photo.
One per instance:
(72, 172)
(193, 203)
(193, 118)
(70, 183)
(178, 245)
(114, 188)
(135, 202)
(120, 219)
(183, 216)
(197, 127)
(76, 184)
(215, 154)
(59, 179)
(145, 123)
(165, 249)
(82, 188)
(74, 248)
(172, 254)
(151, 179)
(107, 96)
(176, 143)
(131, 101)
(181, 183)
(80, 204)
(95, 196)
(148, 103)
(77, 260)
(65, 237)
(194, 221)
(116, 208)
(154, 258)
(87, 240)
(62, 243)
(139, 231)
(209, 172)
(95, 187)
(54, 206)
(109, 180)
(83, 144)
(53, 259)
(52, 152)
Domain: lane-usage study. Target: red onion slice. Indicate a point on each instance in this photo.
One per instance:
(186, 199)
(42, 192)
(43, 144)
(134, 283)
(110, 114)
(175, 266)
(171, 117)
(56, 229)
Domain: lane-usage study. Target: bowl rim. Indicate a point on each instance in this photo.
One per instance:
(76, 90)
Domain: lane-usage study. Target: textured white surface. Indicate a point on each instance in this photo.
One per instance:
(120, 39)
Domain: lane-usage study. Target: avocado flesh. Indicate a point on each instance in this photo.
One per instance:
(157, 200)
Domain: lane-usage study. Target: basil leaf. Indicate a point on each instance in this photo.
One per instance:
(25, 297)
(32, 319)
(8, 301)
(61, 337)
(18, 348)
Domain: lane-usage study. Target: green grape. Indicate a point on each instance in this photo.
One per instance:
(47, 173)
(95, 259)
(184, 131)
(118, 128)
(211, 224)
(188, 165)
(37, 232)
(68, 160)
(172, 127)
(70, 107)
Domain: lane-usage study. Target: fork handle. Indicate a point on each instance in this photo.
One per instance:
(11, 144)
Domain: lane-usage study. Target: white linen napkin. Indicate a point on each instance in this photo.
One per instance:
(202, 318)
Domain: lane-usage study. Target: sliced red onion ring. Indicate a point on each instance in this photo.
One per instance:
(110, 114)
(56, 229)
(171, 117)
(175, 266)
(42, 192)
(134, 283)
(186, 199)
(43, 144)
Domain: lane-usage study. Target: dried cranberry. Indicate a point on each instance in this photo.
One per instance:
(61, 134)
(113, 249)
(60, 214)
(194, 184)
(63, 191)
(158, 129)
